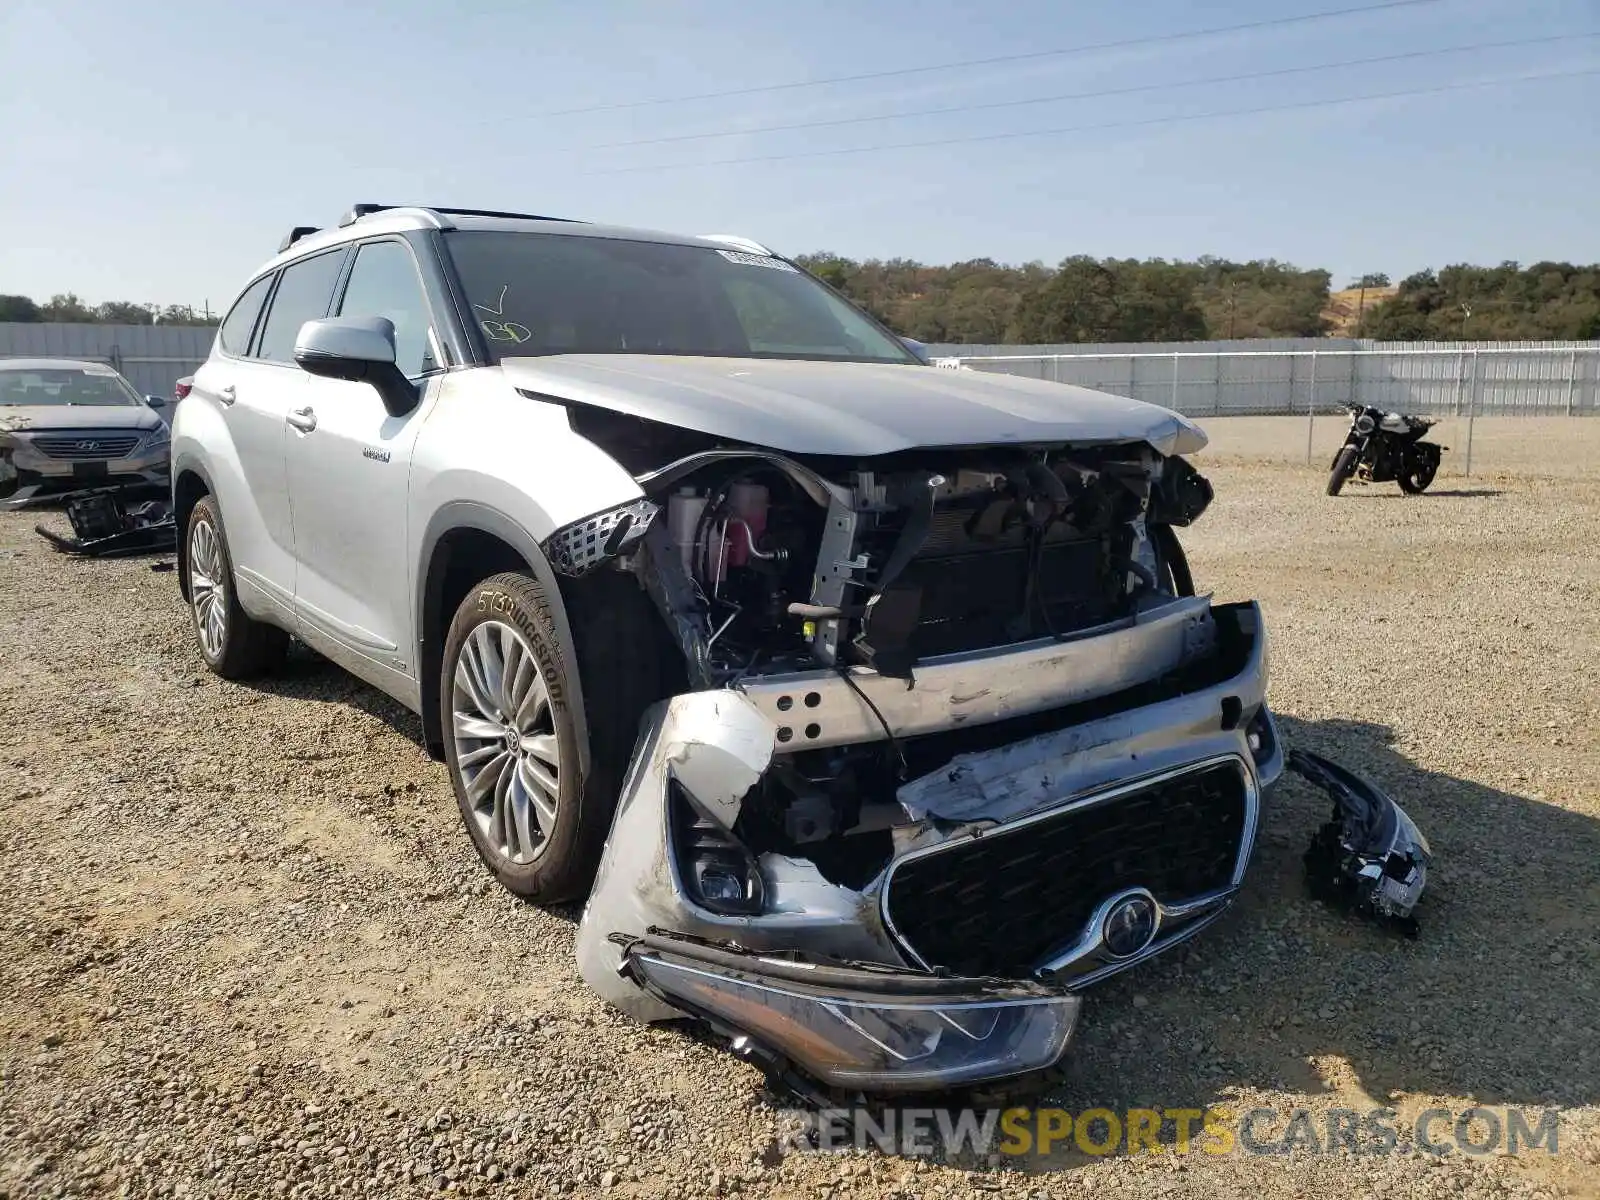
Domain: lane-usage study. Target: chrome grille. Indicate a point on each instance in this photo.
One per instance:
(86, 445)
(1001, 903)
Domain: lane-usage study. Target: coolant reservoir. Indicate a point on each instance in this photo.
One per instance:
(684, 510)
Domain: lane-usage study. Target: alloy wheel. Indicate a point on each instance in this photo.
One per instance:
(506, 746)
(208, 589)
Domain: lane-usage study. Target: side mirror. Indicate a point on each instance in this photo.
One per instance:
(359, 350)
(156, 401)
(916, 348)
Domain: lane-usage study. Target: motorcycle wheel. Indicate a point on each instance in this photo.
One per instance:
(1342, 467)
(1417, 474)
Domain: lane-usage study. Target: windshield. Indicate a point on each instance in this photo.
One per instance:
(65, 385)
(540, 293)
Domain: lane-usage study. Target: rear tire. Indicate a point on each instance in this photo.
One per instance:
(1417, 473)
(233, 643)
(1342, 467)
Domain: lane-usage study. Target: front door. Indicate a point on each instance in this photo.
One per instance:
(349, 465)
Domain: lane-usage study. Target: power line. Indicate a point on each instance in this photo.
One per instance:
(939, 143)
(961, 64)
(1094, 95)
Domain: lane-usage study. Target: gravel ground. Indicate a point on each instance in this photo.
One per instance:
(245, 948)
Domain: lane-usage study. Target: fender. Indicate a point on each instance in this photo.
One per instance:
(190, 464)
(470, 514)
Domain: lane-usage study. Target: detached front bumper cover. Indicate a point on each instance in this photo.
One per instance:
(1370, 857)
(855, 1027)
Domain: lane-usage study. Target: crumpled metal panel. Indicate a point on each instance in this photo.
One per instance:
(857, 410)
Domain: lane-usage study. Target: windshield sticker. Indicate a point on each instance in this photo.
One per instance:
(757, 260)
(499, 330)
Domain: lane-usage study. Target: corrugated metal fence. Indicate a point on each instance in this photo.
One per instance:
(152, 357)
(1304, 375)
(1265, 377)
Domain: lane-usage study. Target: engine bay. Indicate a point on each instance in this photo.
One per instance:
(782, 565)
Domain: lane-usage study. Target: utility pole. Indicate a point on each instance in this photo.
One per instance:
(1466, 315)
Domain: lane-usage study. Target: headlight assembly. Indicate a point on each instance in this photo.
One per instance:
(1370, 855)
(858, 1028)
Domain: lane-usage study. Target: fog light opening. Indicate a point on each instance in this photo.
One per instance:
(717, 871)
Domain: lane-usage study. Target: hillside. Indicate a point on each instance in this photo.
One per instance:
(1344, 309)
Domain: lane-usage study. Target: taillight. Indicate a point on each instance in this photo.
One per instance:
(181, 389)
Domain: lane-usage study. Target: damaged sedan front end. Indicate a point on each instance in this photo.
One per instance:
(959, 741)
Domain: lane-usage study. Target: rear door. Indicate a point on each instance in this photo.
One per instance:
(262, 387)
(349, 473)
(244, 459)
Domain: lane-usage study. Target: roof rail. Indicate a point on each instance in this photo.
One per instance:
(437, 214)
(295, 234)
(357, 211)
(513, 216)
(738, 243)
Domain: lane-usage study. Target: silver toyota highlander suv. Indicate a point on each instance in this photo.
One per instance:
(870, 704)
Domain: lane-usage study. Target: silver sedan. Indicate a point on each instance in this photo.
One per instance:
(67, 425)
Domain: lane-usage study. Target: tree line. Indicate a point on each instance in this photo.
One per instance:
(1087, 299)
(1548, 300)
(67, 307)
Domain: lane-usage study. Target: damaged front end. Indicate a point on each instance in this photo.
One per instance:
(959, 742)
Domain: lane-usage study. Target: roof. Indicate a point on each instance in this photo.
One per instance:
(402, 219)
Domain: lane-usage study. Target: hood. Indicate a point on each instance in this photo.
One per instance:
(39, 418)
(856, 410)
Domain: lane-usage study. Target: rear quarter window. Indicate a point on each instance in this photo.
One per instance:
(234, 335)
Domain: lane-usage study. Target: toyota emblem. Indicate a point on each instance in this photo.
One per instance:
(1130, 924)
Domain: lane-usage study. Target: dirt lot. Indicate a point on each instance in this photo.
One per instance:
(246, 950)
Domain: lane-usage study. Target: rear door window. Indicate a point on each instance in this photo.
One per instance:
(303, 294)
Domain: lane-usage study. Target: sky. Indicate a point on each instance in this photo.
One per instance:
(159, 152)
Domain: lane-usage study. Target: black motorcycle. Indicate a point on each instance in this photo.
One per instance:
(1386, 446)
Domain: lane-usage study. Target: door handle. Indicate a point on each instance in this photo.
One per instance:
(303, 419)
(228, 395)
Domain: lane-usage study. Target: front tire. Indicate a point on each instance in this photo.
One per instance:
(233, 643)
(513, 743)
(1342, 467)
